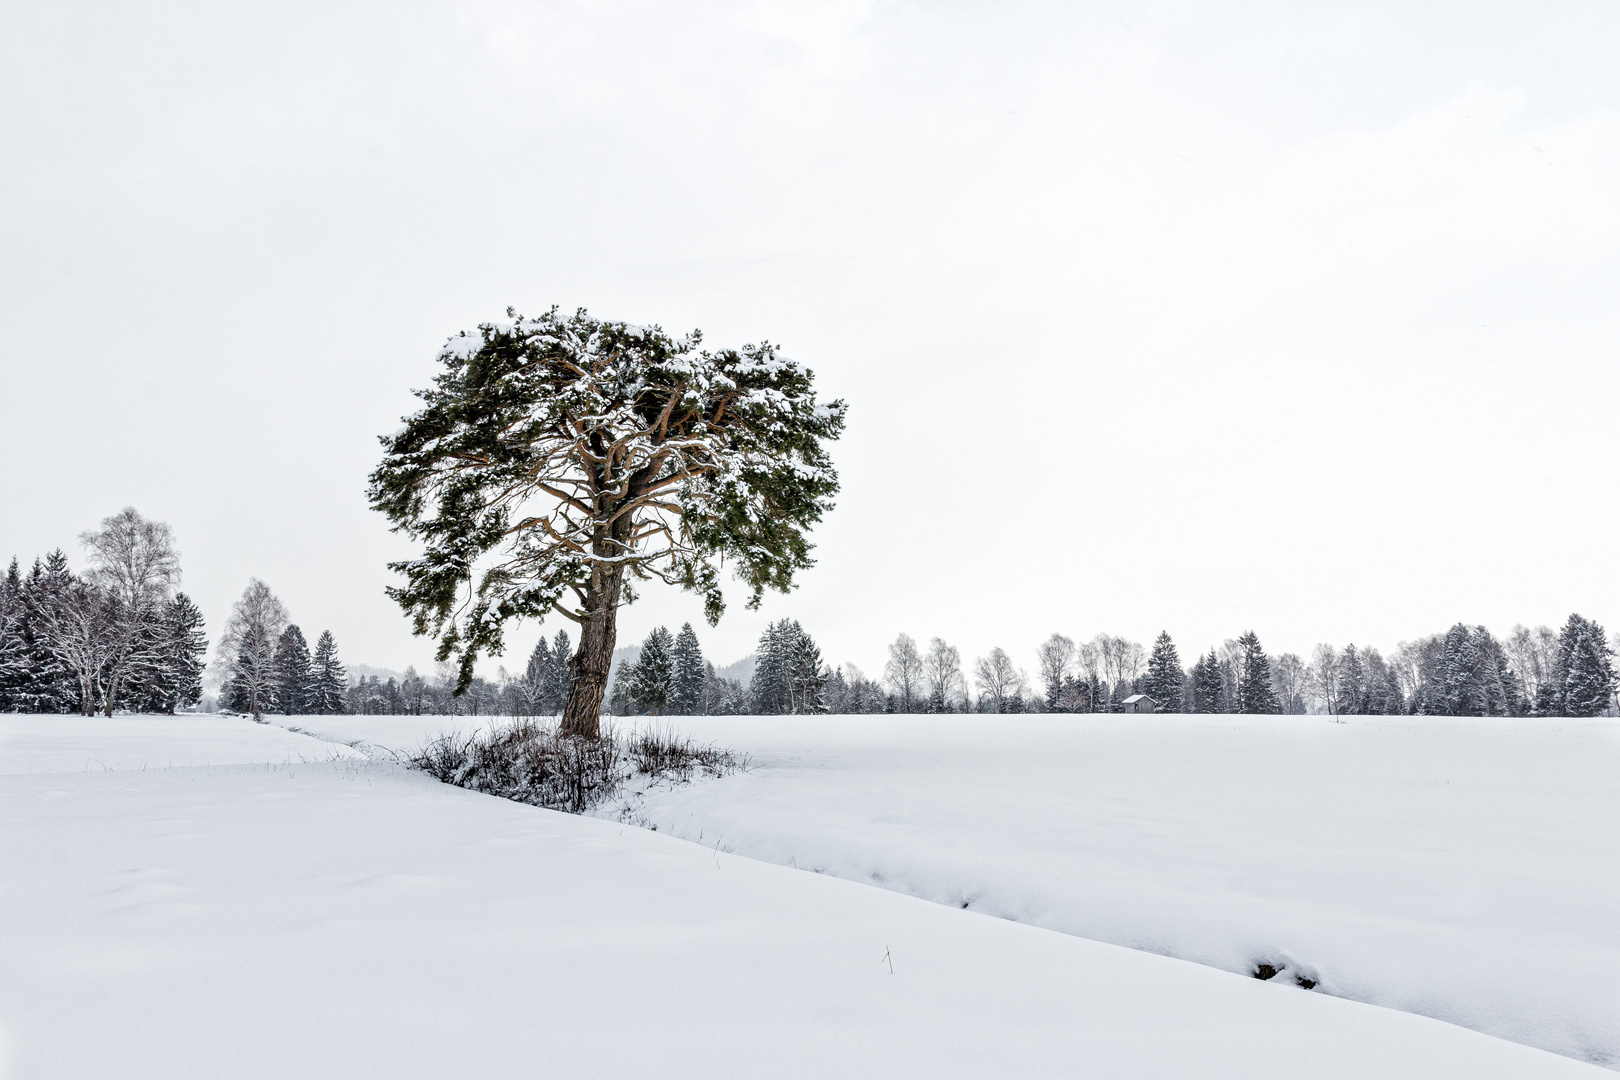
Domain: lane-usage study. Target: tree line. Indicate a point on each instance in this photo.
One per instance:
(1465, 671)
(117, 636)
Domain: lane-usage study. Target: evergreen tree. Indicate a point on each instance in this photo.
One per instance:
(174, 682)
(1206, 684)
(555, 693)
(536, 676)
(566, 457)
(806, 688)
(188, 646)
(1352, 687)
(769, 688)
(1164, 674)
(329, 680)
(13, 644)
(1460, 690)
(1465, 672)
(687, 696)
(1383, 686)
(652, 683)
(1584, 673)
(1255, 692)
(133, 564)
(295, 681)
(48, 687)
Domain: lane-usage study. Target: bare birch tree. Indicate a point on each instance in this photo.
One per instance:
(942, 670)
(134, 562)
(1323, 676)
(904, 672)
(247, 649)
(1000, 680)
(1055, 656)
(77, 626)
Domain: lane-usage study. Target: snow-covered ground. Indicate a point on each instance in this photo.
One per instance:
(303, 912)
(1463, 869)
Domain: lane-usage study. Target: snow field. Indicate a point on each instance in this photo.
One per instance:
(281, 917)
(1464, 869)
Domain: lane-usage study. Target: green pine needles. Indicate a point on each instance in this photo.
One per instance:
(557, 460)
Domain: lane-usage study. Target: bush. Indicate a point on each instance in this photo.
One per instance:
(533, 762)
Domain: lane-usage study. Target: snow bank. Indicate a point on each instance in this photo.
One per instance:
(347, 918)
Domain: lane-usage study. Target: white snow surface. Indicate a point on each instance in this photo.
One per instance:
(304, 912)
(1463, 869)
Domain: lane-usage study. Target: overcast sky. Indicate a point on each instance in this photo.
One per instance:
(1299, 318)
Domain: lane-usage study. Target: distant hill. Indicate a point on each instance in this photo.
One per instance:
(741, 670)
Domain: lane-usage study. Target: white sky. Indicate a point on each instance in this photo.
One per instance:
(1197, 317)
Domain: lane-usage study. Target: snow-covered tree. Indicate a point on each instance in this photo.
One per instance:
(79, 624)
(247, 650)
(1255, 693)
(1322, 676)
(295, 676)
(1534, 657)
(942, 675)
(768, 687)
(1584, 675)
(49, 687)
(556, 693)
(1164, 674)
(806, 685)
(652, 681)
(904, 673)
(330, 680)
(1353, 699)
(174, 680)
(557, 458)
(687, 698)
(536, 677)
(1001, 682)
(133, 561)
(1054, 657)
(1288, 678)
(14, 663)
(1206, 684)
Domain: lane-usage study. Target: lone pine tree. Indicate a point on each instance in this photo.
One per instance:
(558, 458)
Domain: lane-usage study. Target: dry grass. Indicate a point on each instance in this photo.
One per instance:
(532, 762)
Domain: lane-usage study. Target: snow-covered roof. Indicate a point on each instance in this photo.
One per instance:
(1136, 697)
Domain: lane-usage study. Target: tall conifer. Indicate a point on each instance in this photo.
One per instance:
(687, 698)
(652, 683)
(1164, 674)
(295, 683)
(331, 681)
(1584, 671)
(1255, 692)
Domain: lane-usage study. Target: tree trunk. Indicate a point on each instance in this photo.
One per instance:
(588, 668)
(112, 692)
